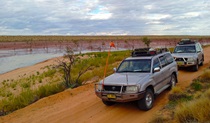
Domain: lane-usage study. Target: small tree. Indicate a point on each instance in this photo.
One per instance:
(83, 68)
(67, 63)
(146, 41)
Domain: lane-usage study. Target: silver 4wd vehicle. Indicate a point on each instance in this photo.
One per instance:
(139, 78)
(188, 53)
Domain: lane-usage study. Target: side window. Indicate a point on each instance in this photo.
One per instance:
(169, 58)
(156, 63)
(198, 48)
(163, 60)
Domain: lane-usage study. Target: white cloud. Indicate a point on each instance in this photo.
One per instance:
(156, 16)
(109, 17)
(149, 7)
(100, 16)
(189, 15)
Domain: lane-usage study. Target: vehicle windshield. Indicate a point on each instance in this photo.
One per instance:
(137, 65)
(185, 49)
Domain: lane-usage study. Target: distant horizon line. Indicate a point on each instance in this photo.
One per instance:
(103, 35)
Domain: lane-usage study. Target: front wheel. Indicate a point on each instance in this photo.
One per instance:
(195, 67)
(146, 103)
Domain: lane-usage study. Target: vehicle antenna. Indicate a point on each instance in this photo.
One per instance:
(111, 45)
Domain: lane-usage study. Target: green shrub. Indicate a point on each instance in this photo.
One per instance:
(49, 73)
(196, 85)
(13, 84)
(28, 96)
(4, 92)
(48, 89)
(26, 85)
(16, 102)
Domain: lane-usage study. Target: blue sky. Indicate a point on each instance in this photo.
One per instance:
(104, 17)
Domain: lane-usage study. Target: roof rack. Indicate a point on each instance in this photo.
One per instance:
(186, 41)
(141, 52)
(147, 51)
(162, 50)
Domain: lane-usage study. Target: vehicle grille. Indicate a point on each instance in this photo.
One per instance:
(181, 59)
(114, 88)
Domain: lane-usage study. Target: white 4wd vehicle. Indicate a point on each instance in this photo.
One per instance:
(139, 78)
(188, 53)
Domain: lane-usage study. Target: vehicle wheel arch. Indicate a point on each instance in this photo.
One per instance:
(150, 87)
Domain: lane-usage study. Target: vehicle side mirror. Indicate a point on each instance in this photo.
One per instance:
(157, 69)
(115, 69)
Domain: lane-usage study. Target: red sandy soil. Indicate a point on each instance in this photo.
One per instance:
(82, 105)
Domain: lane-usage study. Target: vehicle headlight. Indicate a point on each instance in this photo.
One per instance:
(131, 89)
(190, 59)
(99, 87)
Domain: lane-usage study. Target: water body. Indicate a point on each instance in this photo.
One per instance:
(13, 62)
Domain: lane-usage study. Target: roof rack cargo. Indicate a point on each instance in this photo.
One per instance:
(147, 51)
(186, 41)
(143, 52)
(161, 50)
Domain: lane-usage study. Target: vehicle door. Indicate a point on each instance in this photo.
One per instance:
(157, 76)
(199, 53)
(165, 69)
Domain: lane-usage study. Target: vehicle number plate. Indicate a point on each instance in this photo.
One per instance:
(180, 63)
(111, 96)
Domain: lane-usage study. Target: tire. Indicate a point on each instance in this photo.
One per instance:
(201, 64)
(146, 103)
(108, 103)
(195, 67)
(173, 81)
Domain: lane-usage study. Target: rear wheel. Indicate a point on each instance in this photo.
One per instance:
(108, 103)
(146, 103)
(173, 81)
(201, 64)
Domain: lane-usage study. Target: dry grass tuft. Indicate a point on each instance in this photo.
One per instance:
(206, 75)
(176, 90)
(159, 119)
(177, 94)
(195, 110)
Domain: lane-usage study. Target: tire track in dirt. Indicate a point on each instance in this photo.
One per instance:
(80, 105)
